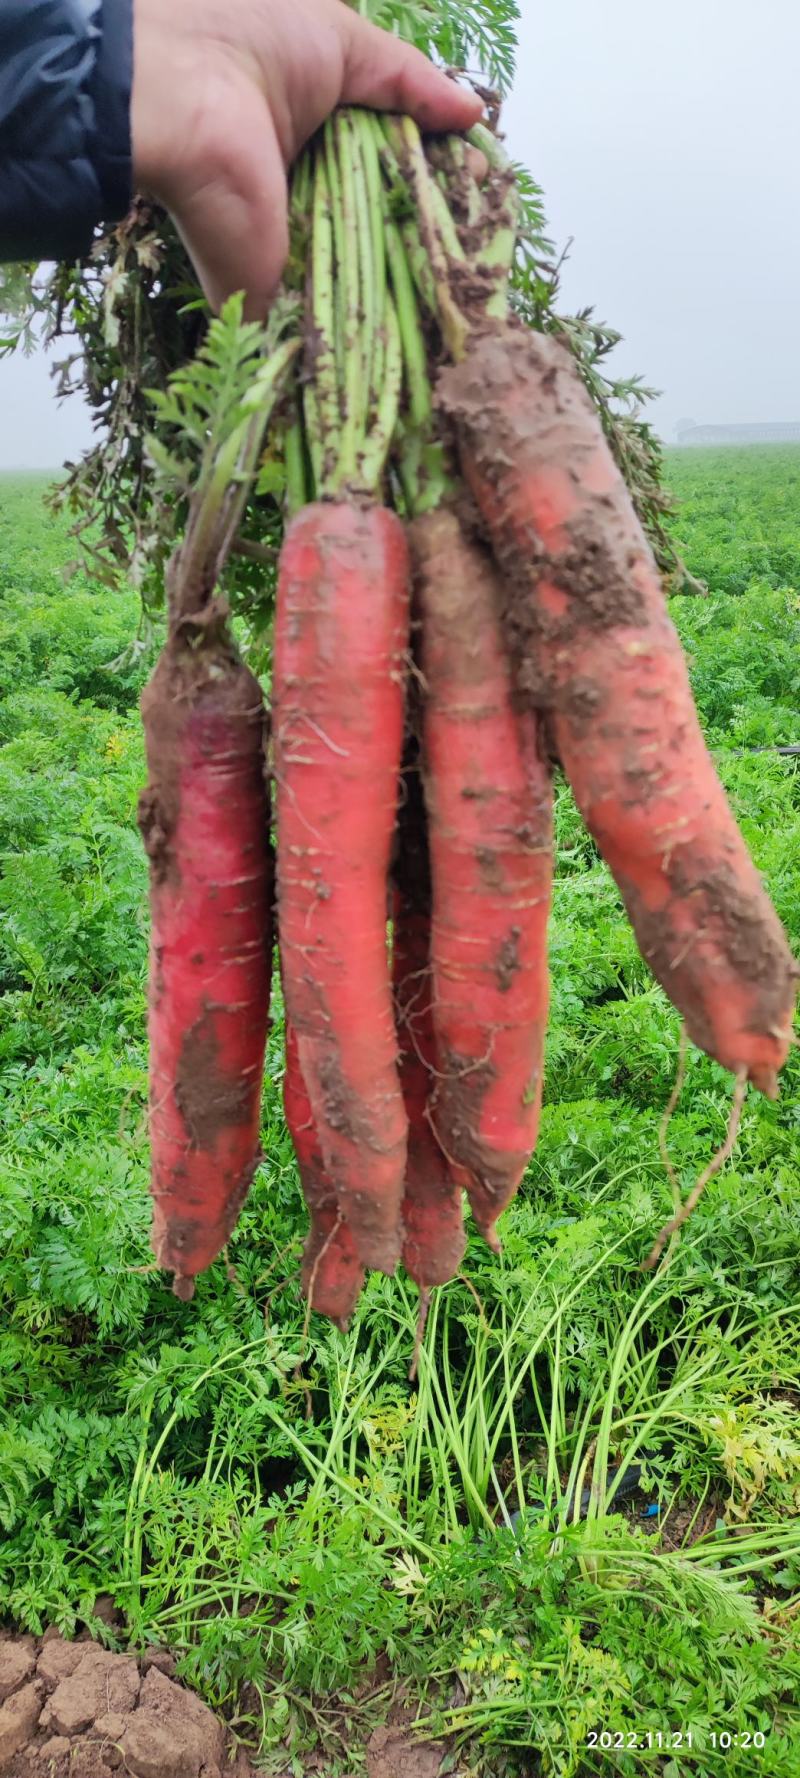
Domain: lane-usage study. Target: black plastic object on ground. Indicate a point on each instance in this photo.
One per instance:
(625, 1480)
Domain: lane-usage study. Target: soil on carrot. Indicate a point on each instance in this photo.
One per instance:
(457, 1114)
(209, 1098)
(593, 576)
(508, 964)
(734, 919)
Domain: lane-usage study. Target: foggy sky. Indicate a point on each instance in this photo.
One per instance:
(667, 140)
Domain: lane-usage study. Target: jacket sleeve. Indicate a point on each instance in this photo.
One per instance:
(66, 68)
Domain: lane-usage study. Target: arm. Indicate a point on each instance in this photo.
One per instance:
(65, 148)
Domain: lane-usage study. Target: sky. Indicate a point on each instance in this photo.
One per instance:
(667, 141)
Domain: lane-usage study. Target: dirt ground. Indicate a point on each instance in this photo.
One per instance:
(73, 1710)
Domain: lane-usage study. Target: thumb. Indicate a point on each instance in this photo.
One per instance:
(386, 74)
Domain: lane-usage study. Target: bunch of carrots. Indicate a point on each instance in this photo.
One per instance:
(465, 600)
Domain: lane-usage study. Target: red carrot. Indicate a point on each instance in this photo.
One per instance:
(205, 818)
(332, 1275)
(341, 636)
(587, 625)
(434, 1239)
(489, 796)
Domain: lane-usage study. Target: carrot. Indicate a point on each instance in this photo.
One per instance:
(332, 1276)
(205, 818)
(489, 797)
(433, 1220)
(587, 625)
(340, 640)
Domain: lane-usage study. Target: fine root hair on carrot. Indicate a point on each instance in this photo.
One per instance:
(269, 1300)
(717, 1161)
(284, 1252)
(314, 1272)
(233, 1276)
(298, 1373)
(463, 1279)
(434, 1237)
(302, 1384)
(672, 1105)
(422, 1321)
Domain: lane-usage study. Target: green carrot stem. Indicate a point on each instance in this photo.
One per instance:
(499, 258)
(348, 270)
(498, 254)
(297, 489)
(385, 149)
(370, 316)
(408, 225)
(337, 222)
(415, 354)
(223, 491)
(456, 151)
(318, 454)
(264, 395)
(195, 573)
(301, 186)
(374, 190)
(419, 264)
(489, 144)
(427, 475)
(378, 445)
(406, 137)
(443, 220)
(324, 424)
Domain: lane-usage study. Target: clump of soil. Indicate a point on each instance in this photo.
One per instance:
(392, 1753)
(73, 1710)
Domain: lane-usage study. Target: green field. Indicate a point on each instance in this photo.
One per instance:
(309, 1530)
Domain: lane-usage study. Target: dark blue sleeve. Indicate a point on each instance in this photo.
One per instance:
(66, 69)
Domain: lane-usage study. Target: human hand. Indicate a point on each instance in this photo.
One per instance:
(225, 96)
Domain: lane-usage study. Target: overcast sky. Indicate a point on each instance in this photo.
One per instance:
(667, 140)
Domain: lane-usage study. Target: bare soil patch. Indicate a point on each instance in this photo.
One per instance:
(73, 1710)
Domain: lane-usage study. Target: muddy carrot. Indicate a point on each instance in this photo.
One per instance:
(434, 1237)
(488, 789)
(587, 625)
(205, 818)
(340, 644)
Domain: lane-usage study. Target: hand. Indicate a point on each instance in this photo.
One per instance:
(226, 93)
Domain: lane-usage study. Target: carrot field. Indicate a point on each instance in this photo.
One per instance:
(572, 1545)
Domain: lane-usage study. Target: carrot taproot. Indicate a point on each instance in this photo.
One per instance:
(340, 642)
(434, 1236)
(488, 789)
(332, 1276)
(204, 817)
(587, 625)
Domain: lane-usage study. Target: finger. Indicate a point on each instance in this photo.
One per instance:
(383, 72)
(231, 212)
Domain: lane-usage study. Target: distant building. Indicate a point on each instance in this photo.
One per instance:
(763, 432)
